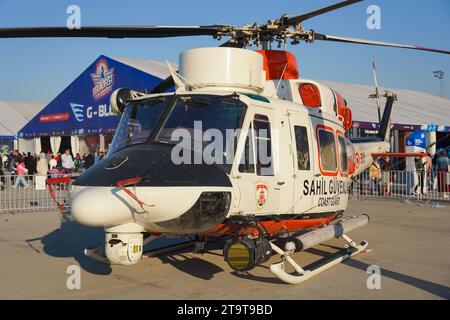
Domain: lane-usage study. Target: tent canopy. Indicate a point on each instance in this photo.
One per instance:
(14, 115)
(413, 109)
(83, 107)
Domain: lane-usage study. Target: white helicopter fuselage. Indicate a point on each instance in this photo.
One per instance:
(290, 189)
(311, 160)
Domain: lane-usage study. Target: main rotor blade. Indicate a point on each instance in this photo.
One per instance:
(112, 31)
(300, 18)
(318, 36)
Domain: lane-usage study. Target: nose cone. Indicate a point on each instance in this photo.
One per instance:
(97, 207)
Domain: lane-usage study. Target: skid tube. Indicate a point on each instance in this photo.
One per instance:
(96, 253)
(315, 237)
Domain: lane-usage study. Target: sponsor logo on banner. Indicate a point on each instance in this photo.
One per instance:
(262, 192)
(78, 111)
(82, 113)
(103, 79)
(417, 139)
(54, 117)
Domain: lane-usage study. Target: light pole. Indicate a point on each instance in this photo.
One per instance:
(440, 75)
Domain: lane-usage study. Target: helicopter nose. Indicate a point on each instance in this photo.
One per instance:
(96, 207)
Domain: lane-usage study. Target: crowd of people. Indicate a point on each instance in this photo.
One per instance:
(25, 165)
(381, 173)
(430, 172)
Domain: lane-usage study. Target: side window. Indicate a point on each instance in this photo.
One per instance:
(263, 145)
(343, 153)
(247, 163)
(327, 150)
(301, 141)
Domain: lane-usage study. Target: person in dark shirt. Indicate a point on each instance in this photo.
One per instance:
(12, 162)
(386, 169)
(2, 178)
(442, 164)
(419, 163)
(34, 160)
(89, 161)
(29, 163)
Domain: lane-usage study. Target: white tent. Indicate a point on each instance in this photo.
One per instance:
(412, 107)
(13, 116)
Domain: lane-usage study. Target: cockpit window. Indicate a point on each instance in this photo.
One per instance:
(200, 113)
(209, 125)
(138, 122)
(206, 124)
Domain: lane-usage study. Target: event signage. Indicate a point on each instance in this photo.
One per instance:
(83, 108)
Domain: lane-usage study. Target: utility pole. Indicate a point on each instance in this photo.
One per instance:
(440, 75)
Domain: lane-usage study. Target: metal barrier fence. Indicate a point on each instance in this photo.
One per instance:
(30, 193)
(431, 185)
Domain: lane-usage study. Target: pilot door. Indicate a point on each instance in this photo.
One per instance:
(255, 170)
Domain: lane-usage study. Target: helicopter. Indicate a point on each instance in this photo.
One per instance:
(243, 148)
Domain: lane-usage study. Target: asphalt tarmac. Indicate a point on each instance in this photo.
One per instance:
(409, 244)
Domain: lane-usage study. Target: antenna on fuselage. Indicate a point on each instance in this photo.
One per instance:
(179, 80)
(281, 78)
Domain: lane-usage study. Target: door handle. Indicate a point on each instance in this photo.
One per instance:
(280, 183)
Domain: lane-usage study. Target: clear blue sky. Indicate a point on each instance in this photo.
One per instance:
(38, 69)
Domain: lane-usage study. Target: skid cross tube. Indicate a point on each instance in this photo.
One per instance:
(302, 275)
(315, 237)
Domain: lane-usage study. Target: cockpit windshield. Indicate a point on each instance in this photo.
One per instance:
(137, 122)
(196, 114)
(166, 118)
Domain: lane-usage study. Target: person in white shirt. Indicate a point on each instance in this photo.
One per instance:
(52, 163)
(67, 161)
(42, 165)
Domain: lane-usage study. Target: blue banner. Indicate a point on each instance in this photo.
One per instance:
(83, 107)
(417, 139)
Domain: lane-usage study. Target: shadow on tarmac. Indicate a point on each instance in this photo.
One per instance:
(197, 266)
(70, 240)
(428, 286)
(431, 287)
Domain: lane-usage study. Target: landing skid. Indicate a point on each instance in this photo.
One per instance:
(168, 249)
(97, 255)
(302, 242)
(278, 269)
